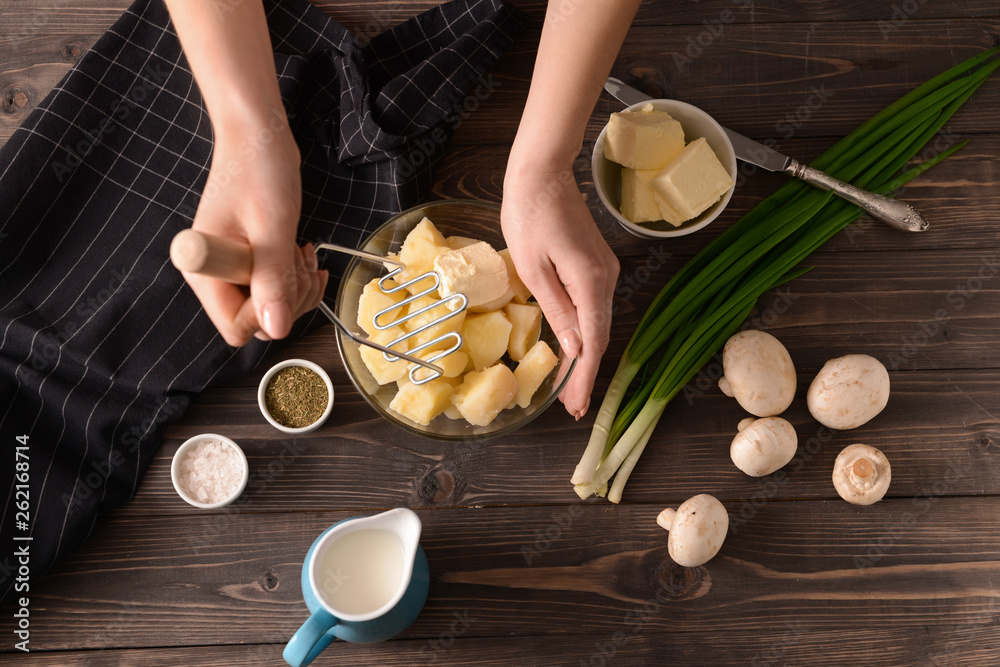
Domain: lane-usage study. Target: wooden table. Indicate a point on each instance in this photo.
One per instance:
(524, 573)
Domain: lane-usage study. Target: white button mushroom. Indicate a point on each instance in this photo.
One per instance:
(763, 445)
(861, 474)
(758, 372)
(848, 391)
(697, 529)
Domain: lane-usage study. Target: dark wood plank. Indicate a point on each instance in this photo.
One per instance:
(763, 80)
(367, 19)
(934, 423)
(792, 563)
(960, 197)
(624, 641)
(725, 80)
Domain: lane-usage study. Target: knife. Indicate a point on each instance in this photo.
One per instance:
(894, 213)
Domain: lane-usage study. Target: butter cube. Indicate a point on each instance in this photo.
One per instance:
(667, 212)
(638, 201)
(477, 271)
(693, 180)
(645, 139)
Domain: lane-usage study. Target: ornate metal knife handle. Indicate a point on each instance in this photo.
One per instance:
(891, 211)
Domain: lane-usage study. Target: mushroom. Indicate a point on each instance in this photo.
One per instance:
(758, 372)
(697, 529)
(848, 391)
(763, 445)
(861, 474)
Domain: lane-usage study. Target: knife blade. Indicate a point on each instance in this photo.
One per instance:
(897, 214)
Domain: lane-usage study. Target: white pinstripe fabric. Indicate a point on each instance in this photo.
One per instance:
(101, 342)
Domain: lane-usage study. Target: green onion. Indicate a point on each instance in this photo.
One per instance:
(705, 302)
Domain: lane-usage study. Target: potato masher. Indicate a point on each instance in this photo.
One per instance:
(232, 261)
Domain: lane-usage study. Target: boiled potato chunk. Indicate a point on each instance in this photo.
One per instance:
(452, 324)
(384, 371)
(373, 299)
(484, 394)
(456, 242)
(485, 337)
(533, 369)
(423, 402)
(521, 292)
(452, 364)
(421, 246)
(526, 326)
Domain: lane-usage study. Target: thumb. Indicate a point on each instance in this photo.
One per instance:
(273, 285)
(559, 311)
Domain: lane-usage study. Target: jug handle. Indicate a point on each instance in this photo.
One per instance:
(309, 640)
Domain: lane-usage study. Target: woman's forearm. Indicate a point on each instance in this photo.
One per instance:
(579, 43)
(229, 51)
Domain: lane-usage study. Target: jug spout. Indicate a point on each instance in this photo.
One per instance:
(408, 525)
(403, 523)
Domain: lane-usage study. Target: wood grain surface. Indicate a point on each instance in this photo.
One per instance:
(524, 573)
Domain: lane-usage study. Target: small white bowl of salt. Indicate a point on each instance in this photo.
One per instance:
(209, 471)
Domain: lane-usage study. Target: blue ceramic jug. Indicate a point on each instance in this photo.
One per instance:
(335, 617)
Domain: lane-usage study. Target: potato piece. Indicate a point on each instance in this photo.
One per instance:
(372, 300)
(384, 371)
(451, 412)
(421, 246)
(452, 364)
(532, 371)
(456, 242)
(526, 326)
(495, 304)
(485, 337)
(484, 394)
(521, 292)
(453, 323)
(423, 402)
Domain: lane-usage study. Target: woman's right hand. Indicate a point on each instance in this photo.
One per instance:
(254, 195)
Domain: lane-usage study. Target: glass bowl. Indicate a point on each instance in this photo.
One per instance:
(462, 217)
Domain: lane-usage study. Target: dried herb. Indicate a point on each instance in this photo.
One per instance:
(296, 396)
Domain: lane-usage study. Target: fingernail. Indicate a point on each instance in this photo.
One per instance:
(570, 341)
(583, 410)
(311, 259)
(276, 319)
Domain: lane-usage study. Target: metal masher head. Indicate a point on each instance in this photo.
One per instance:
(440, 346)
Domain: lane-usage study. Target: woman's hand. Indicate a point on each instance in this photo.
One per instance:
(569, 268)
(254, 189)
(253, 195)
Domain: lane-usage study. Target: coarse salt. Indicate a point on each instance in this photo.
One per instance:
(211, 472)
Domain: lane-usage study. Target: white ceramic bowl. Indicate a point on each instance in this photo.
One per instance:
(262, 390)
(190, 444)
(696, 123)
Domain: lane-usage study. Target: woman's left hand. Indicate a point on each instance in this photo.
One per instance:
(564, 260)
